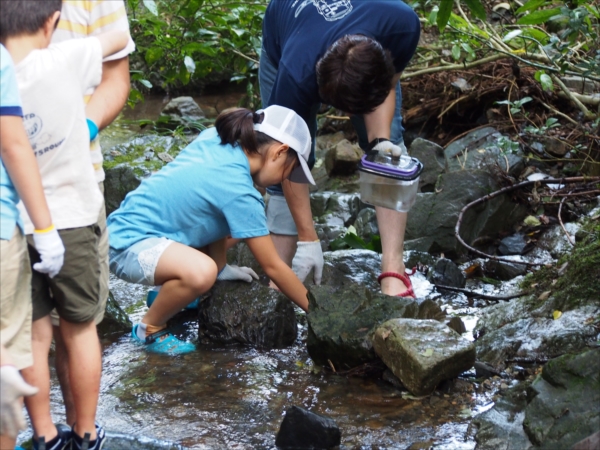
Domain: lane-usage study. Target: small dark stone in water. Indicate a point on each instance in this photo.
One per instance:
(302, 429)
(512, 245)
(483, 370)
(446, 273)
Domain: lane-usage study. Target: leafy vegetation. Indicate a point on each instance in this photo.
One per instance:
(186, 42)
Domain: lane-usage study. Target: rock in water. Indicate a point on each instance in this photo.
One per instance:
(183, 111)
(422, 352)
(342, 319)
(243, 313)
(302, 429)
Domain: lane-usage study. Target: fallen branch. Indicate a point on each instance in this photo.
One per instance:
(470, 293)
(562, 224)
(435, 69)
(587, 114)
(485, 198)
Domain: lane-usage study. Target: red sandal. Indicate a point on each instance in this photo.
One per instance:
(404, 278)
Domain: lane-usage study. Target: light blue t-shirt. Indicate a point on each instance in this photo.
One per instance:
(204, 195)
(10, 105)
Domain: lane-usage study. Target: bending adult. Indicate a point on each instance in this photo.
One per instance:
(79, 20)
(349, 54)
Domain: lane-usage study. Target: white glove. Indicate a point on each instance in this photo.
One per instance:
(237, 273)
(308, 255)
(12, 388)
(52, 252)
(388, 148)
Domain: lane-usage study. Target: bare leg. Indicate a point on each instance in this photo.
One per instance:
(6, 442)
(38, 375)
(62, 371)
(285, 246)
(184, 274)
(85, 369)
(392, 225)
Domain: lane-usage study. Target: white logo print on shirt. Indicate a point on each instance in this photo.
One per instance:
(331, 10)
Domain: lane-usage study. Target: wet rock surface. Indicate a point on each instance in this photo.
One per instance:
(343, 159)
(236, 312)
(432, 220)
(127, 164)
(342, 320)
(422, 353)
(432, 156)
(116, 321)
(556, 411)
(446, 273)
(302, 429)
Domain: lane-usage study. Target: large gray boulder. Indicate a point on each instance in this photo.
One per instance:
(557, 410)
(432, 157)
(422, 353)
(236, 312)
(342, 320)
(522, 328)
(484, 149)
(432, 220)
(127, 164)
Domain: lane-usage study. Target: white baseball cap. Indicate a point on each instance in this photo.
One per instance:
(287, 127)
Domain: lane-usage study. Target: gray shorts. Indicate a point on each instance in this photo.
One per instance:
(137, 263)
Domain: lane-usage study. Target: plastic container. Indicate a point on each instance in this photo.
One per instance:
(389, 182)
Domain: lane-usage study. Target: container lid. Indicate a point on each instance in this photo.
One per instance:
(403, 168)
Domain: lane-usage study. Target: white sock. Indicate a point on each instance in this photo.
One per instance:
(141, 331)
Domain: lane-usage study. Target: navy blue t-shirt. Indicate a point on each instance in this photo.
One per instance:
(297, 33)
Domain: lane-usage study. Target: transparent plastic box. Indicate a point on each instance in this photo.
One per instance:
(389, 183)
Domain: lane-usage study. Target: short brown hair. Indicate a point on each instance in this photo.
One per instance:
(355, 74)
(25, 16)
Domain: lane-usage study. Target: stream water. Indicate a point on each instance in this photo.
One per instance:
(235, 397)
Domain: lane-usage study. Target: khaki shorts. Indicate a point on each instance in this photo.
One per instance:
(15, 300)
(75, 291)
(103, 254)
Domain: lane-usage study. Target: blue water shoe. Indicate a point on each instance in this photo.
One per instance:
(163, 342)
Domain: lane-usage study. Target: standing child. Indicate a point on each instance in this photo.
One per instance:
(52, 82)
(198, 200)
(19, 177)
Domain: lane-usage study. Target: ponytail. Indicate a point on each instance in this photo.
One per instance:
(236, 127)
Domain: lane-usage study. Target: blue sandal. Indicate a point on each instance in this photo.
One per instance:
(163, 342)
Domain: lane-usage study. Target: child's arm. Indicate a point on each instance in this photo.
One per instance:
(20, 163)
(286, 280)
(113, 42)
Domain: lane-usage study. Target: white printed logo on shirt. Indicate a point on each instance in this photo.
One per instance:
(331, 10)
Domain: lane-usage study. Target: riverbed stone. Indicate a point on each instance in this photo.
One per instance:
(524, 329)
(422, 353)
(305, 430)
(483, 149)
(116, 321)
(342, 319)
(432, 220)
(183, 111)
(126, 165)
(343, 158)
(334, 212)
(555, 241)
(564, 401)
(366, 223)
(446, 273)
(432, 157)
(512, 245)
(236, 312)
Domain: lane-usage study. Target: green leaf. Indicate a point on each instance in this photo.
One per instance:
(190, 65)
(433, 16)
(428, 352)
(546, 82)
(456, 52)
(513, 34)
(443, 14)
(151, 6)
(532, 4)
(476, 8)
(538, 17)
(153, 54)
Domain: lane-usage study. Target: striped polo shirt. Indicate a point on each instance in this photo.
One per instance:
(83, 18)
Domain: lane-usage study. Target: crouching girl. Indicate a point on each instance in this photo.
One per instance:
(205, 195)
